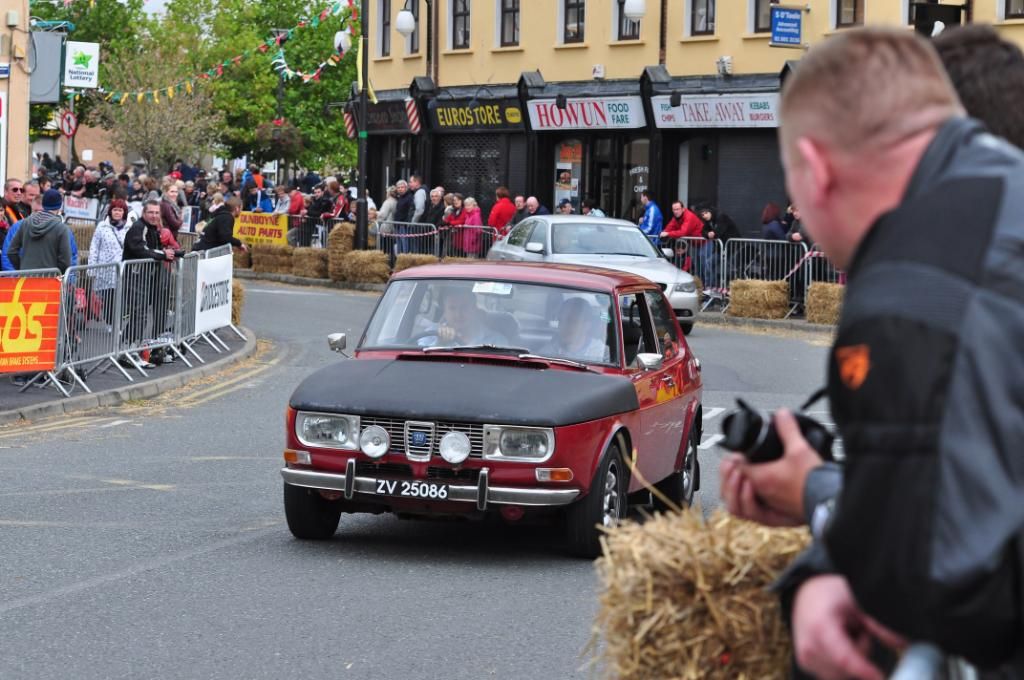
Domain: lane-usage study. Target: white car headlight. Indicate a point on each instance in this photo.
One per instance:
(375, 441)
(328, 430)
(455, 447)
(532, 444)
(686, 287)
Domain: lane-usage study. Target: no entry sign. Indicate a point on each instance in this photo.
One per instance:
(68, 124)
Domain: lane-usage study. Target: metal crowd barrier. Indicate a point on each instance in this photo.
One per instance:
(306, 231)
(399, 238)
(187, 239)
(110, 314)
(702, 258)
(763, 260)
(472, 242)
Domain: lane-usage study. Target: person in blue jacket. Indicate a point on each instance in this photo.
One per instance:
(256, 200)
(651, 222)
(8, 266)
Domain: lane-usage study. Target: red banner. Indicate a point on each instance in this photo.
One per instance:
(29, 324)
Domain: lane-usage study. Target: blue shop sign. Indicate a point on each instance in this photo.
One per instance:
(787, 26)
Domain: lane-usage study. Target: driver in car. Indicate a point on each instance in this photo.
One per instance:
(579, 334)
(462, 323)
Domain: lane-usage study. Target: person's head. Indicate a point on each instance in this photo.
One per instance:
(190, 187)
(847, 163)
(171, 192)
(226, 177)
(14, 190)
(334, 187)
(151, 212)
(436, 195)
(707, 214)
(577, 320)
(401, 186)
(449, 200)
(565, 206)
(217, 198)
(79, 171)
(32, 192)
(52, 201)
(118, 210)
(645, 197)
(457, 200)
(470, 204)
(532, 204)
(520, 202)
(36, 200)
(988, 75)
(459, 309)
(251, 189)
(795, 211)
(44, 184)
(678, 209)
(318, 191)
(149, 183)
(415, 182)
(392, 191)
(281, 190)
(770, 213)
(234, 204)
(587, 206)
(501, 192)
(371, 214)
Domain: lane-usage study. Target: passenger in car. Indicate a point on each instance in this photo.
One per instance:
(462, 323)
(581, 335)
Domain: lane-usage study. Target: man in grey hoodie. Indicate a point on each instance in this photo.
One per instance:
(48, 241)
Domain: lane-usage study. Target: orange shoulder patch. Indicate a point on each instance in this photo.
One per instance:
(854, 365)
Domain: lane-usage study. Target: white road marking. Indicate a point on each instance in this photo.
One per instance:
(711, 441)
(114, 424)
(713, 412)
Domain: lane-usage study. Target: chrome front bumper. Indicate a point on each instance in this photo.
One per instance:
(482, 493)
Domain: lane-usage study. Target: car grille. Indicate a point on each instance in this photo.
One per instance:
(396, 429)
(374, 469)
(464, 475)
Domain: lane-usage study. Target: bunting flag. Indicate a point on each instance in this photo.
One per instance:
(278, 63)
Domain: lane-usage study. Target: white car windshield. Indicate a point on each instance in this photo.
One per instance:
(600, 239)
(550, 321)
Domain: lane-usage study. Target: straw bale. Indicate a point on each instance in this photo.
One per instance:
(272, 258)
(237, 300)
(824, 302)
(339, 243)
(410, 260)
(754, 299)
(242, 258)
(310, 263)
(700, 287)
(83, 235)
(366, 266)
(685, 597)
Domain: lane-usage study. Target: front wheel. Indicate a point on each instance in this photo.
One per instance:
(687, 327)
(604, 506)
(310, 515)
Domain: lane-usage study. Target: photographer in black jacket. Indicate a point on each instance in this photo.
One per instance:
(926, 381)
(220, 229)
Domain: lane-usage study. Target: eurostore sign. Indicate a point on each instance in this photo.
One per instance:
(608, 113)
(81, 65)
(718, 111)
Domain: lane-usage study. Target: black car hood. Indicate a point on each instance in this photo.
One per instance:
(464, 392)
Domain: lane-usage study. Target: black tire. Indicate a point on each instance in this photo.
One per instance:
(687, 327)
(680, 487)
(604, 505)
(310, 515)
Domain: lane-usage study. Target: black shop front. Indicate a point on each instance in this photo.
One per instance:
(393, 141)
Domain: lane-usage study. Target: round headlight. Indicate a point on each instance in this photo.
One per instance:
(374, 441)
(455, 447)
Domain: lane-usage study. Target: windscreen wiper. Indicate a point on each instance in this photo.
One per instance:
(558, 360)
(470, 348)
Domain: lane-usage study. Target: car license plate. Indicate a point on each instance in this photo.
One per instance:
(425, 490)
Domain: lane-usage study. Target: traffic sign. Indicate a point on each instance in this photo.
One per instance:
(68, 124)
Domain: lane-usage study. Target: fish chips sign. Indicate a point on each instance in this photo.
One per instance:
(29, 324)
(262, 228)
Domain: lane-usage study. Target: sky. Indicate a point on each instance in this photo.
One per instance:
(154, 6)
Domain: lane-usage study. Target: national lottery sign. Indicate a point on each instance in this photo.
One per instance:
(29, 324)
(213, 293)
(262, 228)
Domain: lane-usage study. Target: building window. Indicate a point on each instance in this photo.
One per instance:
(762, 16)
(849, 13)
(460, 24)
(1014, 9)
(573, 21)
(702, 17)
(626, 29)
(413, 41)
(509, 23)
(384, 39)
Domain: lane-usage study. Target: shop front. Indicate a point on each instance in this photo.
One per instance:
(721, 149)
(478, 145)
(590, 147)
(393, 127)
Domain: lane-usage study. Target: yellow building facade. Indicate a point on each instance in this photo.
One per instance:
(571, 100)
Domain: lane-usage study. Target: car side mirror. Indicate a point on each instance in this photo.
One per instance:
(535, 247)
(337, 342)
(668, 252)
(649, 361)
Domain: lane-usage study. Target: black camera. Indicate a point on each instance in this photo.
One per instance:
(753, 434)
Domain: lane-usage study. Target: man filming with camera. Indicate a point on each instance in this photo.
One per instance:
(925, 539)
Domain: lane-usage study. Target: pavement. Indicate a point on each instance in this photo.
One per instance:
(148, 540)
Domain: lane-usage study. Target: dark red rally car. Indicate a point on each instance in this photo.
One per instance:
(510, 388)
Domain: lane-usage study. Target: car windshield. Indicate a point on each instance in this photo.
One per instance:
(549, 321)
(600, 239)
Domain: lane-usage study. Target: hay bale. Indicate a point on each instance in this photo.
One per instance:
(242, 258)
(366, 266)
(339, 244)
(310, 263)
(272, 259)
(684, 597)
(759, 299)
(237, 300)
(824, 302)
(700, 287)
(410, 260)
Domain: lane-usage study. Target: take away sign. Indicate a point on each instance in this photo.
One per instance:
(262, 228)
(29, 324)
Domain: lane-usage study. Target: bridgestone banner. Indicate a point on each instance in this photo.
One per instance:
(213, 293)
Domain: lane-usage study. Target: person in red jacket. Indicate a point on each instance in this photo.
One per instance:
(684, 223)
(503, 212)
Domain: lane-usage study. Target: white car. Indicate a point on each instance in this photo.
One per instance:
(600, 242)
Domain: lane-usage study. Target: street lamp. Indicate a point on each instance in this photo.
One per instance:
(405, 23)
(634, 9)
